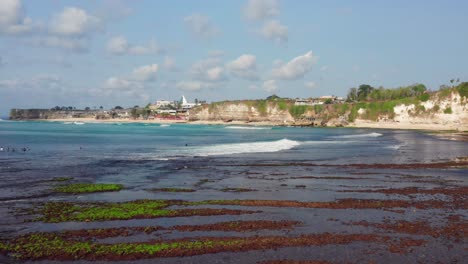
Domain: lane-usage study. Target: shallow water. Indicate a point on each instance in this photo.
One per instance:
(280, 163)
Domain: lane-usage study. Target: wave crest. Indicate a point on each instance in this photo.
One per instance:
(240, 148)
(373, 134)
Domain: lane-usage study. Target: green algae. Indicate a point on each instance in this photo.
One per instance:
(49, 246)
(37, 246)
(88, 188)
(55, 212)
(65, 211)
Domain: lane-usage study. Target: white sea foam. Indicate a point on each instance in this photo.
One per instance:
(165, 125)
(240, 148)
(395, 147)
(373, 134)
(78, 123)
(326, 142)
(248, 128)
(67, 123)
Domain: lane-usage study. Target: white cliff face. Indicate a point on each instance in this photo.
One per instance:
(451, 111)
(240, 111)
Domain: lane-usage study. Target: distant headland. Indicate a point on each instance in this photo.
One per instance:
(410, 107)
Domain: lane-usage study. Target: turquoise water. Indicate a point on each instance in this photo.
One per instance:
(136, 154)
(69, 143)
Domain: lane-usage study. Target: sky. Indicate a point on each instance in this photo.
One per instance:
(115, 52)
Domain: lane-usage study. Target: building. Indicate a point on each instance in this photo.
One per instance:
(185, 105)
(310, 101)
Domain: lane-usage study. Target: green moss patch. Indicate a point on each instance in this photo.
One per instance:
(55, 212)
(88, 188)
(49, 246)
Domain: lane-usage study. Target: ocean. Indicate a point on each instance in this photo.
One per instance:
(276, 163)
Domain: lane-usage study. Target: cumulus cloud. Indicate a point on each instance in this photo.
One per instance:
(261, 9)
(310, 85)
(296, 68)
(119, 46)
(117, 83)
(274, 30)
(244, 67)
(170, 64)
(208, 70)
(193, 86)
(74, 21)
(201, 26)
(134, 81)
(67, 43)
(145, 73)
(40, 81)
(12, 18)
(270, 86)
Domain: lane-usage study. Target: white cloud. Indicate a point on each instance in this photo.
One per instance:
(9, 84)
(208, 70)
(296, 68)
(119, 46)
(73, 44)
(310, 85)
(270, 86)
(134, 81)
(40, 81)
(244, 67)
(274, 30)
(324, 68)
(170, 64)
(189, 86)
(261, 9)
(74, 21)
(201, 26)
(12, 18)
(117, 83)
(145, 73)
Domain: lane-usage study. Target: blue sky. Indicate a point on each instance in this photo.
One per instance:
(111, 52)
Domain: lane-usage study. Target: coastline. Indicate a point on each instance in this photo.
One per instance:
(357, 124)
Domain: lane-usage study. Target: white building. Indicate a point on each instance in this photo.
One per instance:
(161, 103)
(186, 105)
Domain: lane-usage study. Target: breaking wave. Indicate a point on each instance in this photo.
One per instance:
(240, 148)
(373, 134)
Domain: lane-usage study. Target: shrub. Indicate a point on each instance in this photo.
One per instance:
(424, 97)
(297, 110)
(463, 89)
(261, 106)
(282, 105)
(448, 110)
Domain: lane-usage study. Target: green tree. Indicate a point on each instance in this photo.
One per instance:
(363, 91)
(352, 95)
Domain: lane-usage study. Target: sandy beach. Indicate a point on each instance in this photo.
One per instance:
(357, 124)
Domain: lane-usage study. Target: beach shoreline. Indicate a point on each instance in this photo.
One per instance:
(357, 124)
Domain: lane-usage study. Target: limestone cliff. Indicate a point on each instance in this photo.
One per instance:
(442, 110)
(246, 111)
